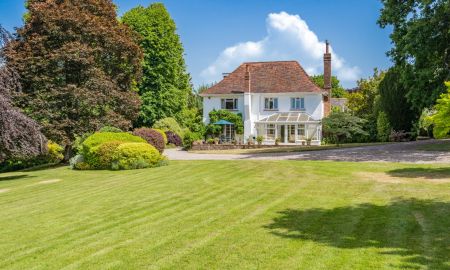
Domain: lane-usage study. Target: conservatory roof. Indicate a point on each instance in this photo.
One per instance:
(288, 117)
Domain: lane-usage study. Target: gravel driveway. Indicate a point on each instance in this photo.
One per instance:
(398, 152)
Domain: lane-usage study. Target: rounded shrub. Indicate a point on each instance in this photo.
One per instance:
(152, 136)
(110, 129)
(129, 156)
(106, 152)
(174, 138)
(91, 145)
(166, 141)
(169, 124)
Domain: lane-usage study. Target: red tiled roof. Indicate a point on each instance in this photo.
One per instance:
(266, 77)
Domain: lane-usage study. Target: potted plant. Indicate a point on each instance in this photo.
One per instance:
(277, 141)
(259, 140)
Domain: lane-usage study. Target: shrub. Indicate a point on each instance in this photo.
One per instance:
(259, 139)
(110, 129)
(106, 153)
(189, 138)
(166, 140)
(135, 156)
(78, 143)
(78, 163)
(174, 138)
(383, 127)
(398, 136)
(152, 136)
(169, 124)
(54, 155)
(91, 145)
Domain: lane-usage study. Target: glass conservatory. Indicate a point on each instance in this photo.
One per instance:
(289, 127)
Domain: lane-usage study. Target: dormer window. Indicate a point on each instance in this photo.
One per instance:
(229, 103)
(271, 104)
(297, 104)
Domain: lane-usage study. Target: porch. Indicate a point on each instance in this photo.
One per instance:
(290, 128)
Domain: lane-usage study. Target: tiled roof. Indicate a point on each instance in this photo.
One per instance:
(266, 77)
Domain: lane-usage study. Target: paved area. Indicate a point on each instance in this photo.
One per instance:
(398, 152)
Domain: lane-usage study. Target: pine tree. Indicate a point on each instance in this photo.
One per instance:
(165, 88)
(78, 67)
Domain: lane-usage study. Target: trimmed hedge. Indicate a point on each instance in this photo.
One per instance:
(135, 156)
(173, 138)
(152, 136)
(91, 145)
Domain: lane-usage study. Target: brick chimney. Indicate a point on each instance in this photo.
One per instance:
(247, 77)
(327, 79)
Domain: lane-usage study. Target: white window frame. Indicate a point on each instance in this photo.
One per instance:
(299, 104)
(273, 128)
(223, 103)
(271, 104)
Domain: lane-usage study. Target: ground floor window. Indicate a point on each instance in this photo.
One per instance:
(289, 133)
(301, 132)
(270, 132)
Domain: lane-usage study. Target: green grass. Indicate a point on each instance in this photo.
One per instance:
(285, 149)
(443, 145)
(228, 215)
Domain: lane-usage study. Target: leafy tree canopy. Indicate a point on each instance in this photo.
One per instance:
(78, 67)
(337, 91)
(340, 126)
(20, 136)
(165, 89)
(421, 38)
(394, 103)
(441, 119)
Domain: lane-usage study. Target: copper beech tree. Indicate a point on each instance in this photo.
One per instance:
(20, 136)
(78, 66)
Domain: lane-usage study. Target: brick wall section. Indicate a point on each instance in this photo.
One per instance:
(327, 80)
(200, 147)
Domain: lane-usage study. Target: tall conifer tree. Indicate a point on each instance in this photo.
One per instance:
(165, 88)
(78, 67)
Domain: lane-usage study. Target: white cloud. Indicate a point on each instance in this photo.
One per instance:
(288, 38)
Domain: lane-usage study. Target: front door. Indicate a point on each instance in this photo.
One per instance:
(282, 133)
(291, 133)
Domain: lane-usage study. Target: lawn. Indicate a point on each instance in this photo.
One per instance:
(228, 215)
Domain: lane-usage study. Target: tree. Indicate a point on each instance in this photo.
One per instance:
(340, 126)
(78, 67)
(383, 127)
(20, 136)
(365, 103)
(394, 103)
(337, 91)
(441, 119)
(421, 38)
(165, 88)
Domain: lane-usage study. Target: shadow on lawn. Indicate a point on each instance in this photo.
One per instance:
(429, 173)
(15, 177)
(418, 230)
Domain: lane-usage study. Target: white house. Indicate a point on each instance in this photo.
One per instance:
(276, 99)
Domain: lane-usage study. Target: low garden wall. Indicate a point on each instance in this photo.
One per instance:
(200, 147)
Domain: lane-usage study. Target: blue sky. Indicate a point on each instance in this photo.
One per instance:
(218, 35)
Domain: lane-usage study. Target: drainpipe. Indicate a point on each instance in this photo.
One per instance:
(248, 128)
